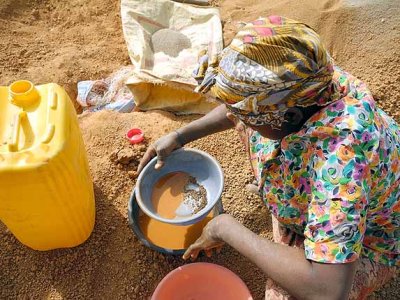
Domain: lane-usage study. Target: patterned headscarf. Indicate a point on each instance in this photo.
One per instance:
(271, 65)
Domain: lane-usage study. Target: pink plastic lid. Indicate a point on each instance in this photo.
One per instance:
(135, 136)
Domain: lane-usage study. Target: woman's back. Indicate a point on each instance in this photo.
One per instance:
(337, 180)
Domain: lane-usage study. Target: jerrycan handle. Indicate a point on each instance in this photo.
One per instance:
(14, 138)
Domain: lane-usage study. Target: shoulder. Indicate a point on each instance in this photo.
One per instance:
(354, 112)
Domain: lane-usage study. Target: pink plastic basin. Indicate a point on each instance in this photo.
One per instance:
(201, 281)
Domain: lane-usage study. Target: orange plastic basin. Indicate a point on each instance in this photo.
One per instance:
(201, 281)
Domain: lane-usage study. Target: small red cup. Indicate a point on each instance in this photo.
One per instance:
(135, 136)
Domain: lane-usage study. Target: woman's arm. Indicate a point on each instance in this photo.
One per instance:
(215, 121)
(285, 265)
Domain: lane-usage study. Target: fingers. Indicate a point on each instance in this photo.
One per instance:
(160, 160)
(208, 252)
(238, 124)
(195, 254)
(188, 252)
(194, 250)
(231, 118)
(252, 188)
(150, 153)
(162, 148)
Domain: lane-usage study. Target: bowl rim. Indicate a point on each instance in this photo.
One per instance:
(195, 264)
(182, 221)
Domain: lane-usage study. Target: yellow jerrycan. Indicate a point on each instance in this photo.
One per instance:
(46, 193)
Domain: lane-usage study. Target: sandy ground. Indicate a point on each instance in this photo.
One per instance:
(68, 41)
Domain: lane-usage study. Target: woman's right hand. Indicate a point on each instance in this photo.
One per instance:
(161, 148)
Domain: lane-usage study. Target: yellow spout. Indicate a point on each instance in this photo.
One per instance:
(23, 93)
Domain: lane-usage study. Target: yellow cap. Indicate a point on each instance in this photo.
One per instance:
(23, 93)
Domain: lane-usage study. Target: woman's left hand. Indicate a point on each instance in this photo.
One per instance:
(207, 241)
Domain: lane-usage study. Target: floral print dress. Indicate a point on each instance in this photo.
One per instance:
(337, 180)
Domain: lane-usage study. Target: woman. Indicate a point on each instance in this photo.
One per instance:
(326, 160)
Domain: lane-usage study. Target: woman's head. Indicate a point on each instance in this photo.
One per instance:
(294, 118)
(274, 68)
